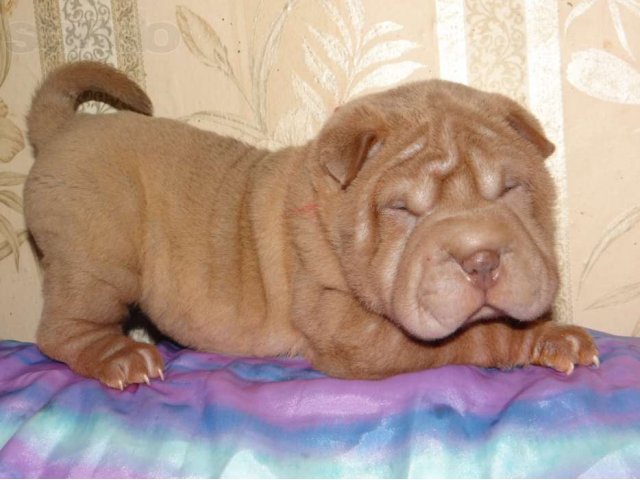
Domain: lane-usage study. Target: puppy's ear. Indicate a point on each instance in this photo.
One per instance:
(349, 138)
(530, 129)
(525, 125)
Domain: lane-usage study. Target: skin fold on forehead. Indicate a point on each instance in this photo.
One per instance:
(491, 155)
(423, 160)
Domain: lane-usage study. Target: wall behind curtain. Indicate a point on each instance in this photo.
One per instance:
(270, 71)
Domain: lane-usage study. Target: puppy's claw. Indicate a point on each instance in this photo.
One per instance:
(570, 370)
(146, 380)
(160, 374)
(121, 385)
(596, 361)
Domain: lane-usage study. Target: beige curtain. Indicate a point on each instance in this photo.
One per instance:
(270, 71)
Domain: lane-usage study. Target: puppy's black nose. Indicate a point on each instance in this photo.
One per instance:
(482, 268)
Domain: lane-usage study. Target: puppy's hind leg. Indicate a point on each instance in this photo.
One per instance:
(81, 326)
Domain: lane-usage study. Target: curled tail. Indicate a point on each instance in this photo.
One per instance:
(57, 99)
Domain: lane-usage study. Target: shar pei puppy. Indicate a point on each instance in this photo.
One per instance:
(415, 230)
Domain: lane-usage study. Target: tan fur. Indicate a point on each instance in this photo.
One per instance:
(357, 250)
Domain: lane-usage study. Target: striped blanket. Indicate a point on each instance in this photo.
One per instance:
(223, 416)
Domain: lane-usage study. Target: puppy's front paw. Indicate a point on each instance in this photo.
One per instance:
(133, 362)
(561, 347)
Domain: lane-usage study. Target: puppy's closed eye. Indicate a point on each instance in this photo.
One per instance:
(398, 205)
(511, 185)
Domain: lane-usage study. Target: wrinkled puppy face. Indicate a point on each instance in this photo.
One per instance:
(437, 201)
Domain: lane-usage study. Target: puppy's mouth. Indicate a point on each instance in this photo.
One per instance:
(485, 312)
(431, 321)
